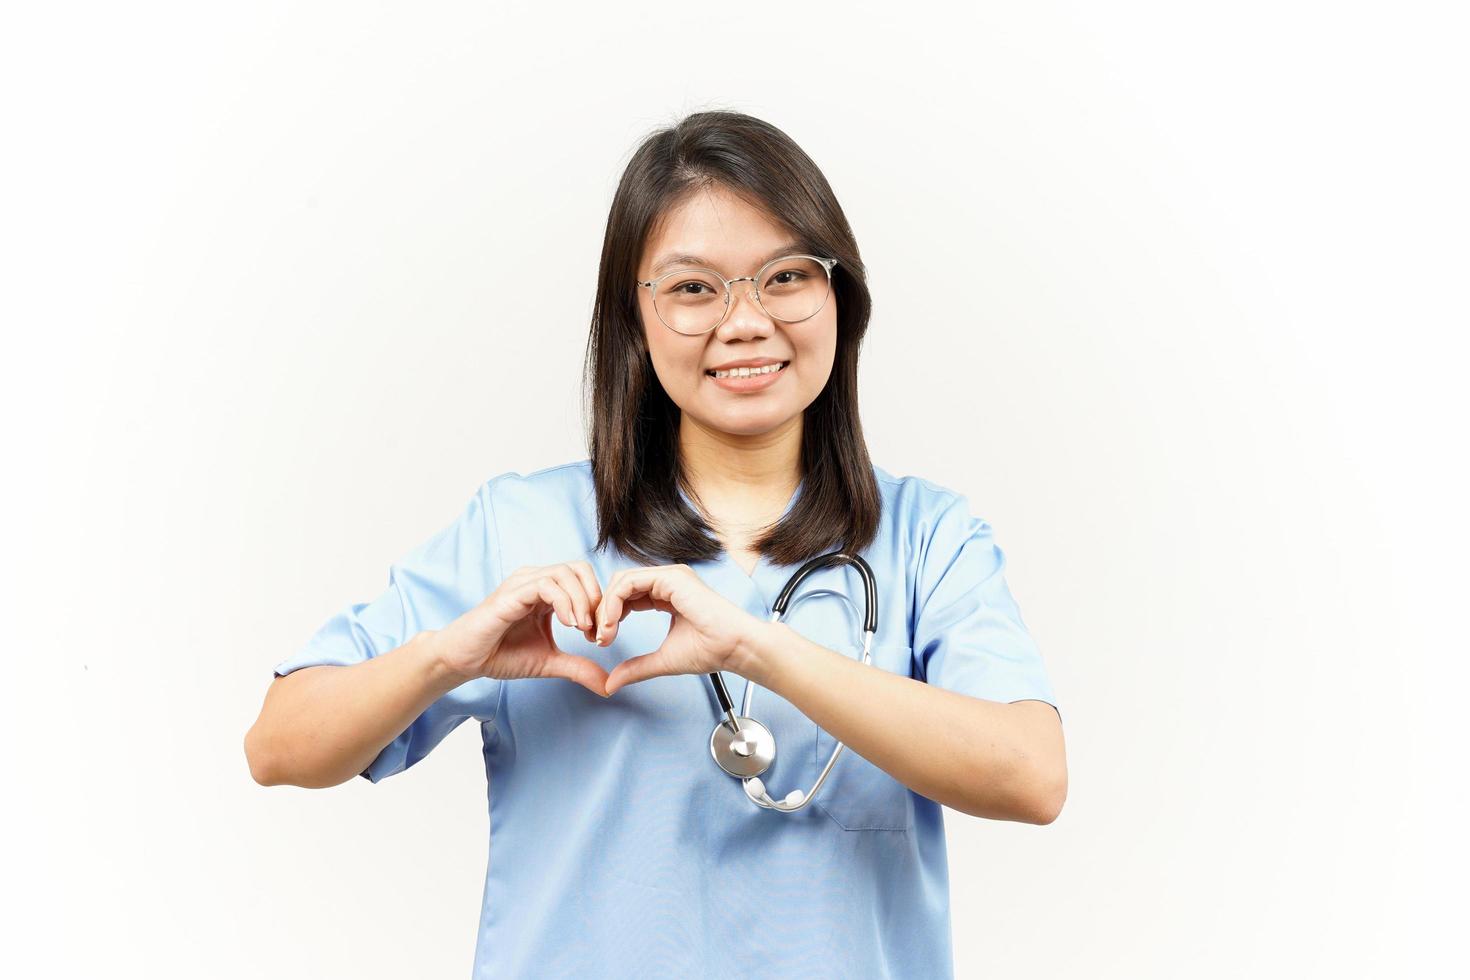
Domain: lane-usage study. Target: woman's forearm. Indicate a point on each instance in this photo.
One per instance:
(322, 725)
(984, 758)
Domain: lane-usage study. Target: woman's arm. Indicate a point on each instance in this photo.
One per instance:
(322, 725)
(984, 758)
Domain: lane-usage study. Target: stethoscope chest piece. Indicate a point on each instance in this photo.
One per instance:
(748, 752)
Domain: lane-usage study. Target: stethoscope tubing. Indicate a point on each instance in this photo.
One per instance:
(727, 706)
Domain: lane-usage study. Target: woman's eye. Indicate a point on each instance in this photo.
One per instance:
(690, 288)
(791, 277)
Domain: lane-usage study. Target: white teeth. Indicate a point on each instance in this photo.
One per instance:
(748, 372)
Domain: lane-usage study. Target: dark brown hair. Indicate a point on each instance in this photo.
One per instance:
(634, 425)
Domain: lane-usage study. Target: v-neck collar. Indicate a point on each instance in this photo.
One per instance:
(756, 590)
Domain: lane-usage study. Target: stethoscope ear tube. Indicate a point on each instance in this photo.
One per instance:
(870, 586)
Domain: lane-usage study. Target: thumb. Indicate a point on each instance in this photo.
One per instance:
(636, 669)
(581, 670)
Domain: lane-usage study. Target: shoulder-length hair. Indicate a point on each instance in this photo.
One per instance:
(634, 425)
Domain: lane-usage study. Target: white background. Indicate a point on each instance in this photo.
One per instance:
(1175, 295)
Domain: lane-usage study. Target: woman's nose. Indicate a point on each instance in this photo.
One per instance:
(746, 318)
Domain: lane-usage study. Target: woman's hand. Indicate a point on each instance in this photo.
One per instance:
(706, 632)
(508, 635)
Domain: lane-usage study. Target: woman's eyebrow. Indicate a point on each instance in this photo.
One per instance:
(683, 259)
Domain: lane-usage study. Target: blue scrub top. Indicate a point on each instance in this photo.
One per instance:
(619, 848)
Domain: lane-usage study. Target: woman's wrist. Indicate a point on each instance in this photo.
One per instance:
(432, 646)
(758, 651)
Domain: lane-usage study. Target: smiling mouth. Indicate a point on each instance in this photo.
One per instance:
(748, 372)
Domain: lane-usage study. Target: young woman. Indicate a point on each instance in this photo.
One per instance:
(582, 613)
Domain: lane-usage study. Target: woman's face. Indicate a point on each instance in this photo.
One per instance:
(734, 239)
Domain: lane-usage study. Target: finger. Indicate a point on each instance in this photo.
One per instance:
(646, 603)
(571, 584)
(636, 669)
(604, 610)
(627, 584)
(588, 577)
(583, 671)
(523, 572)
(522, 589)
(556, 597)
(591, 593)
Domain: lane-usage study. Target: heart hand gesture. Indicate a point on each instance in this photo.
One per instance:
(707, 633)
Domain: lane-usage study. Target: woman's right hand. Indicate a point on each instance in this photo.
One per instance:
(508, 635)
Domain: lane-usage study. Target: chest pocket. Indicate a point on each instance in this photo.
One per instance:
(857, 794)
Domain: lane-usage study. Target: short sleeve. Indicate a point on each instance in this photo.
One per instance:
(428, 588)
(968, 633)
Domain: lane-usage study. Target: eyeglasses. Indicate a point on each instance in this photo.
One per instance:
(695, 301)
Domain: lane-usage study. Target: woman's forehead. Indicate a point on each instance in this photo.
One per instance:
(718, 230)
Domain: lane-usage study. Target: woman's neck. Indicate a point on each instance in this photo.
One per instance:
(742, 483)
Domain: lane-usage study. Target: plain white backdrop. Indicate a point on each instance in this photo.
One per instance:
(1174, 295)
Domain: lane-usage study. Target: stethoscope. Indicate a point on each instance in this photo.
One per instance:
(745, 748)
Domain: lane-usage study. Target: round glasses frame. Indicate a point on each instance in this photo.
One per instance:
(653, 284)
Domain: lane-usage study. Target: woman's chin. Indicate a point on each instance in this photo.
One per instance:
(753, 420)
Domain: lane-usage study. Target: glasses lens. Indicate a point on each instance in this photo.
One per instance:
(794, 288)
(690, 301)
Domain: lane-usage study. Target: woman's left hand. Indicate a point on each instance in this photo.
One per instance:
(705, 634)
